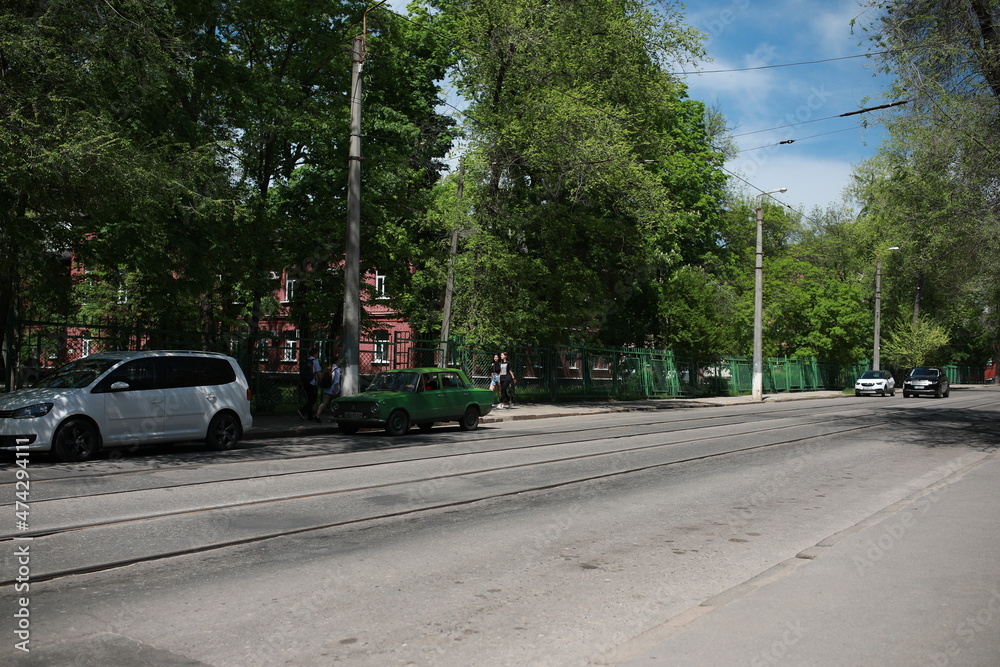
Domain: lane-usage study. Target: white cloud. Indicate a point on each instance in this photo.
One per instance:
(811, 182)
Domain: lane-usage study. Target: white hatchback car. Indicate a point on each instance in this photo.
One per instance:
(119, 399)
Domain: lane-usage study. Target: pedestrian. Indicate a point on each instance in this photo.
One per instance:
(329, 384)
(495, 377)
(309, 370)
(506, 381)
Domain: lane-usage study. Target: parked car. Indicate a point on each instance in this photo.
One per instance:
(395, 400)
(119, 399)
(926, 380)
(875, 382)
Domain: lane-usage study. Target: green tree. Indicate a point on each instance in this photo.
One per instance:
(931, 187)
(915, 342)
(589, 175)
(89, 155)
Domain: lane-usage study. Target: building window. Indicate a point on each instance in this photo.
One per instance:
(264, 345)
(288, 354)
(85, 347)
(289, 290)
(381, 347)
(380, 286)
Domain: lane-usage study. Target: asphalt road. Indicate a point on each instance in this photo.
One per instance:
(601, 539)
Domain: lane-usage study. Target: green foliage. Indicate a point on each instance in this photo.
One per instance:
(915, 343)
(931, 189)
(186, 151)
(590, 177)
(202, 147)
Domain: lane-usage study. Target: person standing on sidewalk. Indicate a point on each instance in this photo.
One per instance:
(506, 381)
(495, 377)
(309, 371)
(329, 384)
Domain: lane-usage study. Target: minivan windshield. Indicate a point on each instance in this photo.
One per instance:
(77, 374)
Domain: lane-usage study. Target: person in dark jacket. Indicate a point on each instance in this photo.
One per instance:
(506, 381)
(309, 379)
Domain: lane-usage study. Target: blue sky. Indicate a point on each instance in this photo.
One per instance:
(753, 33)
(746, 33)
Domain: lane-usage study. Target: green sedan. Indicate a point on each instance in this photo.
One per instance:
(396, 400)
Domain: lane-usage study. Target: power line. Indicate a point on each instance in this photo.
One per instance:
(804, 62)
(816, 120)
(792, 141)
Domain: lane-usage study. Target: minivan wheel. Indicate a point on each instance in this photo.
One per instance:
(223, 432)
(76, 440)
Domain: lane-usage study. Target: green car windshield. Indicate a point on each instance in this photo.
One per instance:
(406, 382)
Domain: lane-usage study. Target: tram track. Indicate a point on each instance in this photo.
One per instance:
(403, 444)
(573, 435)
(230, 512)
(407, 481)
(566, 437)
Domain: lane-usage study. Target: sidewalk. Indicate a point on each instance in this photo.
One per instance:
(291, 425)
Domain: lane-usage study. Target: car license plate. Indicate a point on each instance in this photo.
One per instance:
(353, 415)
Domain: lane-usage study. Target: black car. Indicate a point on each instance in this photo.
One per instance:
(926, 380)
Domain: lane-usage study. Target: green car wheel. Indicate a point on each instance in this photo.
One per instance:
(470, 420)
(397, 424)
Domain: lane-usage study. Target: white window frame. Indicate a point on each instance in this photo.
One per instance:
(289, 353)
(289, 290)
(380, 286)
(381, 349)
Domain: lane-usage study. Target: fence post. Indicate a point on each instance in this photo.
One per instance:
(11, 351)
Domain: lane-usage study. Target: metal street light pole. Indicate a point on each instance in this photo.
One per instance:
(758, 298)
(878, 307)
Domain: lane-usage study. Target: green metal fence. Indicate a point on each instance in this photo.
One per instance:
(544, 373)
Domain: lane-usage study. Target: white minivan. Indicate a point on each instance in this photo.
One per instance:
(119, 399)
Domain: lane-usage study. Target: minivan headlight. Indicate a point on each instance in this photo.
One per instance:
(32, 411)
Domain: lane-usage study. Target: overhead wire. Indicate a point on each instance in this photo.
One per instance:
(761, 67)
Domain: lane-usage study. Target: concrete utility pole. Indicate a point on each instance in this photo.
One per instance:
(449, 290)
(350, 383)
(878, 309)
(758, 300)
